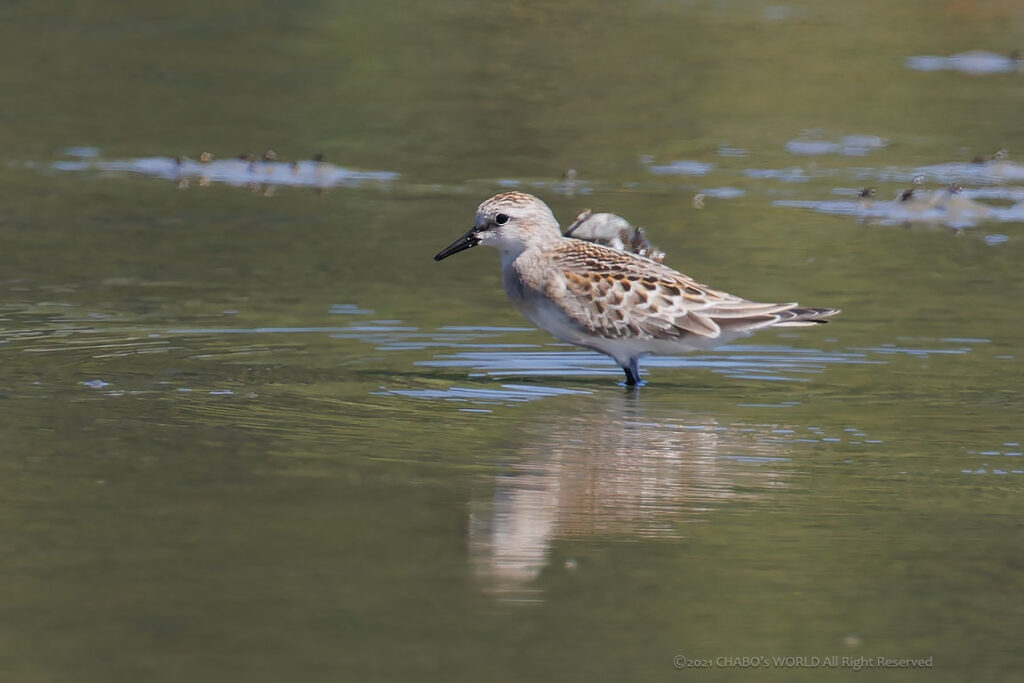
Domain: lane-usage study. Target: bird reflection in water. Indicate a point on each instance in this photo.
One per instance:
(614, 471)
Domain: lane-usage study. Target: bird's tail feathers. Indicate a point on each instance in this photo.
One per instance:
(805, 317)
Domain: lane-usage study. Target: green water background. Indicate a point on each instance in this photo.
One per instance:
(237, 440)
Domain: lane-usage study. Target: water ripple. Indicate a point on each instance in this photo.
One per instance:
(774, 363)
(974, 62)
(682, 168)
(236, 172)
(515, 393)
(939, 208)
(850, 145)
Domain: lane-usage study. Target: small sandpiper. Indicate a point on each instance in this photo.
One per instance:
(614, 302)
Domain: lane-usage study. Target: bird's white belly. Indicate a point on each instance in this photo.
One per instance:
(550, 318)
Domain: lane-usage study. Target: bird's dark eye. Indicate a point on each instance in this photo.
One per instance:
(501, 219)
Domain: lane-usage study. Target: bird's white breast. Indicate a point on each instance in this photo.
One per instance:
(535, 305)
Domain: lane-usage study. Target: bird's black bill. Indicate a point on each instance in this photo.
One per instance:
(470, 239)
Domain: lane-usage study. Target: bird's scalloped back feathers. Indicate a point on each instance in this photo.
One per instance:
(582, 256)
(618, 295)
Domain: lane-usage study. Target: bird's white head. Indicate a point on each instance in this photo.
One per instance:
(511, 222)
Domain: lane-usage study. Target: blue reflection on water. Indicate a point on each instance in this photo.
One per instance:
(975, 62)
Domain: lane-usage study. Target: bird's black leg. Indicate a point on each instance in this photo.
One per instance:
(632, 370)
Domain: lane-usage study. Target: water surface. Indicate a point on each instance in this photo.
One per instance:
(253, 432)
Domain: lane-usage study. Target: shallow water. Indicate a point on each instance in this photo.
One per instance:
(254, 432)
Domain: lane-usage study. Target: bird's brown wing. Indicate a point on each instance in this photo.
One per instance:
(617, 295)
